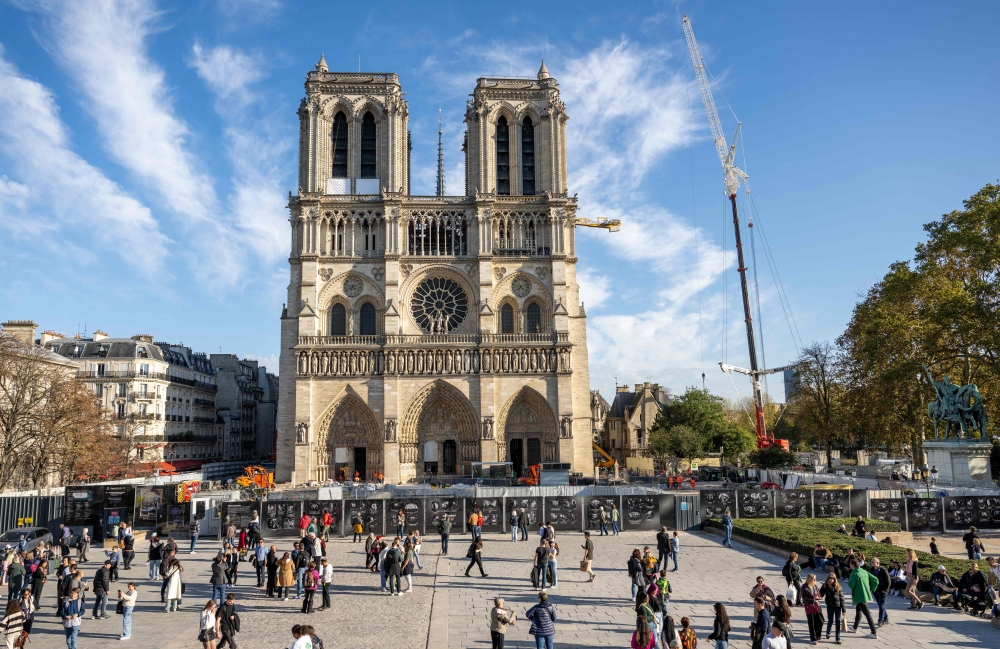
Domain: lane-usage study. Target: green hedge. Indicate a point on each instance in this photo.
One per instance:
(802, 535)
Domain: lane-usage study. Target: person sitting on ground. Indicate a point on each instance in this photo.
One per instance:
(941, 583)
(972, 590)
(818, 560)
(860, 529)
(870, 536)
(897, 577)
(842, 529)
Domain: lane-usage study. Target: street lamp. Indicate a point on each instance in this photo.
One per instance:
(934, 474)
(925, 473)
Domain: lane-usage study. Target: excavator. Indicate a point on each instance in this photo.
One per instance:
(257, 481)
(608, 461)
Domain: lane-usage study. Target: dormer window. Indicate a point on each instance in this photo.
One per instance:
(140, 352)
(55, 349)
(104, 350)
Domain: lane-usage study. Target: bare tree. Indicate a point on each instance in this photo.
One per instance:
(819, 396)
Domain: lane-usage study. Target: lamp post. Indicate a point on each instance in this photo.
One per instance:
(925, 473)
(934, 475)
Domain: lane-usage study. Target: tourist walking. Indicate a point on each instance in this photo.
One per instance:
(175, 586)
(689, 638)
(543, 617)
(153, 556)
(15, 577)
(776, 639)
(643, 637)
(513, 525)
(662, 547)
(614, 519)
(65, 534)
(761, 625)
(102, 586)
(12, 623)
(286, 575)
(28, 608)
(586, 565)
(675, 549)
(232, 562)
(444, 529)
(792, 573)
(635, 572)
(229, 622)
(814, 612)
(327, 523)
(114, 556)
(862, 583)
(473, 528)
(210, 631)
(670, 637)
(656, 605)
(38, 583)
(602, 517)
(912, 574)
(72, 613)
(475, 556)
(522, 522)
(881, 590)
(126, 600)
(325, 579)
(83, 545)
(969, 539)
(833, 596)
(720, 627)
(781, 616)
(304, 525)
(218, 580)
(310, 582)
(727, 527)
(499, 619)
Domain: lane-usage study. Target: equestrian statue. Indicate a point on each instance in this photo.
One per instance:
(959, 407)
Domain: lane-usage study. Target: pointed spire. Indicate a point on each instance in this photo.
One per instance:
(440, 170)
(543, 72)
(321, 66)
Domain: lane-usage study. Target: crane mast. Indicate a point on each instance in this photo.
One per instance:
(733, 176)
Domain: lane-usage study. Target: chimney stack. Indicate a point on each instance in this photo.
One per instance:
(143, 338)
(99, 335)
(23, 330)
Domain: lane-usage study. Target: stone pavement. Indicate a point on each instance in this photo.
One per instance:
(447, 609)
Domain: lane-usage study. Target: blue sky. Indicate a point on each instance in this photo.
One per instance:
(147, 148)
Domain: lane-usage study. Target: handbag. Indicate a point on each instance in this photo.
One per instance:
(183, 587)
(584, 565)
(790, 593)
(812, 609)
(120, 609)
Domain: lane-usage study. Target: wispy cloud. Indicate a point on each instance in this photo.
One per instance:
(228, 73)
(34, 138)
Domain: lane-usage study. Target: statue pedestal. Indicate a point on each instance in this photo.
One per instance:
(960, 462)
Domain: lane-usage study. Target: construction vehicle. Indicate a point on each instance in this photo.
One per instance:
(531, 479)
(611, 225)
(733, 176)
(608, 461)
(256, 482)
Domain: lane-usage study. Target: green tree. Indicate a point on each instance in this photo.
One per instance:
(680, 441)
(773, 457)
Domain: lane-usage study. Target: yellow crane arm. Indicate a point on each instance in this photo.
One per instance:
(611, 225)
(608, 462)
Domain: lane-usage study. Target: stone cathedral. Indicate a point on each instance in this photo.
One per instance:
(423, 334)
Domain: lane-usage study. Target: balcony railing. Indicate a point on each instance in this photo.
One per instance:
(143, 396)
(433, 339)
(203, 402)
(119, 374)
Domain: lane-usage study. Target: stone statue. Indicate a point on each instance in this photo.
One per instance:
(959, 407)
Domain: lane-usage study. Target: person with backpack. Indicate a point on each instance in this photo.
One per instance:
(475, 556)
(663, 584)
(513, 525)
(229, 622)
(82, 545)
(310, 582)
(393, 567)
(541, 565)
(72, 614)
(126, 601)
(444, 529)
(542, 616)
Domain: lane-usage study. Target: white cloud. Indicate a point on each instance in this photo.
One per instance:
(227, 72)
(594, 288)
(77, 196)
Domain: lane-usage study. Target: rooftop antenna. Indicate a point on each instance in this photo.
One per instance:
(440, 176)
(359, 63)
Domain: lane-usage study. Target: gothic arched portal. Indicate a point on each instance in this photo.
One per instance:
(349, 442)
(439, 433)
(529, 433)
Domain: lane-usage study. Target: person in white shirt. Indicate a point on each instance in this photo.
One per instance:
(870, 536)
(302, 640)
(775, 640)
(209, 626)
(325, 578)
(897, 579)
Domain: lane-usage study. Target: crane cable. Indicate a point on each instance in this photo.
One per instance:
(697, 247)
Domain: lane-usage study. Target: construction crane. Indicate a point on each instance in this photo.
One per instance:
(733, 176)
(611, 225)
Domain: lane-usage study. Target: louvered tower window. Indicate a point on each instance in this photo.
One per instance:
(506, 319)
(528, 157)
(367, 319)
(503, 157)
(339, 146)
(368, 156)
(338, 320)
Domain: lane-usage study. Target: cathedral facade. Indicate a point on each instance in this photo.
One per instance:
(423, 334)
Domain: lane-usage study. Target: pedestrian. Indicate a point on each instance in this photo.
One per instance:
(304, 525)
(13, 623)
(210, 631)
(325, 579)
(720, 627)
(303, 639)
(65, 534)
(407, 568)
(775, 639)
(934, 547)
(602, 517)
(648, 565)
(670, 636)
(393, 566)
(28, 607)
(656, 605)
(301, 557)
(229, 622)
(614, 519)
(38, 583)
(540, 565)
(444, 529)
(72, 612)
(383, 552)
(675, 548)
(114, 556)
(662, 547)
(543, 617)
(102, 586)
(271, 563)
(127, 602)
(15, 577)
(232, 562)
(473, 528)
(814, 612)
(862, 583)
(513, 525)
(499, 619)
(286, 575)
(175, 586)
(522, 522)
(194, 529)
(969, 539)
(760, 627)
(663, 585)
(792, 573)
(82, 545)
(228, 531)
(553, 566)
(218, 580)
(153, 556)
(689, 638)
(415, 542)
(586, 565)
(727, 527)
(400, 522)
(475, 556)
(635, 572)
(310, 582)
(912, 575)
(643, 637)
(884, 582)
(835, 609)
(327, 522)
(977, 549)
(782, 617)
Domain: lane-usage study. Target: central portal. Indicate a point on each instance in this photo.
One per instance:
(439, 433)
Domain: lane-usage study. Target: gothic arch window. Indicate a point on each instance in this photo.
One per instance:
(339, 145)
(338, 320)
(367, 327)
(533, 319)
(369, 168)
(527, 157)
(506, 319)
(503, 157)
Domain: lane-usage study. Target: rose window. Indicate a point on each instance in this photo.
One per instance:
(439, 305)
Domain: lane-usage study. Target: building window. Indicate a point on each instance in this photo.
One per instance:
(100, 369)
(122, 389)
(367, 319)
(534, 319)
(55, 349)
(141, 352)
(338, 320)
(368, 145)
(503, 157)
(528, 157)
(506, 319)
(121, 410)
(339, 146)
(144, 370)
(99, 389)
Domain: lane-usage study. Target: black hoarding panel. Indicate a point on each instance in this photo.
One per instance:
(715, 502)
(564, 512)
(147, 504)
(755, 504)
(968, 511)
(492, 509)
(371, 513)
(667, 512)
(239, 513)
(641, 512)
(859, 502)
(924, 515)
(594, 504)
(317, 508)
(281, 517)
(831, 504)
(889, 509)
(794, 503)
(532, 510)
(413, 514)
(173, 519)
(436, 508)
(80, 506)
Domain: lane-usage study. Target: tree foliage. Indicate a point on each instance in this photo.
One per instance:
(773, 457)
(698, 422)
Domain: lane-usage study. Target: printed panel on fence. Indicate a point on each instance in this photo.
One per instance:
(831, 503)
(564, 512)
(715, 502)
(436, 508)
(413, 514)
(755, 504)
(80, 508)
(239, 513)
(492, 509)
(641, 512)
(888, 509)
(173, 519)
(317, 510)
(968, 511)
(282, 517)
(924, 515)
(147, 504)
(528, 508)
(594, 505)
(369, 512)
(794, 503)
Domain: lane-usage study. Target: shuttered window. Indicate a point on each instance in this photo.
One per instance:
(527, 157)
(369, 168)
(503, 157)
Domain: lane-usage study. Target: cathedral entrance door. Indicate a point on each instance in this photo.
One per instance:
(516, 447)
(360, 462)
(449, 457)
(534, 451)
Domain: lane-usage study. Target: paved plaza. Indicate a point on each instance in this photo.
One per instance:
(448, 609)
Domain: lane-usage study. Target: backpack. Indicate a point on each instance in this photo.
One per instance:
(317, 643)
(309, 579)
(786, 571)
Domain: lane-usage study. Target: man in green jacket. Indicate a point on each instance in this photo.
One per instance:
(862, 584)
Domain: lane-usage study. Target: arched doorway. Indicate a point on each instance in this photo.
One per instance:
(530, 435)
(439, 433)
(349, 445)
